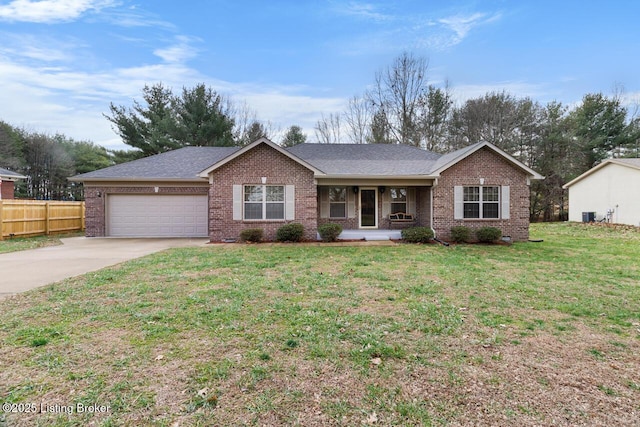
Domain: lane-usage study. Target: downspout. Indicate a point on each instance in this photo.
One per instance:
(435, 184)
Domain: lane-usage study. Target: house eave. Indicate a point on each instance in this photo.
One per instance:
(378, 177)
(597, 168)
(205, 173)
(376, 180)
(530, 172)
(138, 180)
(12, 177)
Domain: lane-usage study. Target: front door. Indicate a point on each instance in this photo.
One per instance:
(368, 208)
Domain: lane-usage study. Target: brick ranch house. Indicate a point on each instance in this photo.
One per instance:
(7, 183)
(217, 192)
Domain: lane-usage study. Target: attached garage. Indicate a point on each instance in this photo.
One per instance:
(156, 215)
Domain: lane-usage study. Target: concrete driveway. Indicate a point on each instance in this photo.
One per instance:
(25, 270)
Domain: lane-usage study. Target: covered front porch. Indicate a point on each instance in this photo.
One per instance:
(375, 209)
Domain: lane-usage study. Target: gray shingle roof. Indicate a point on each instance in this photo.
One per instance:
(6, 173)
(634, 163)
(370, 160)
(183, 163)
(367, 159)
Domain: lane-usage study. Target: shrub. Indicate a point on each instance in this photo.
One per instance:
(251, 235)
(417, 234)
(290, 233)
(488, 234)
(460, 234)
(329, 232)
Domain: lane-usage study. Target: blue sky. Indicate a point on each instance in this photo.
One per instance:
(63, 61)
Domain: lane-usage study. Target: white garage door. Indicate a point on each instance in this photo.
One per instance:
(135, 215)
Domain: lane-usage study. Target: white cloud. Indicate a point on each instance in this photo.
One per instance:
(42, 49)
(361, 10)
(134, 17)
(460, 26)
(286, 108)
(48, 11)
(179, 52)
(59, 99)
(54, 85)
(413, 32)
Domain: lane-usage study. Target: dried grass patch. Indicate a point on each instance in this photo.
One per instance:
(551, 380)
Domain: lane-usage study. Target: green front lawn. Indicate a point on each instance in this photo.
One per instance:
(25, 243)
(529, 334)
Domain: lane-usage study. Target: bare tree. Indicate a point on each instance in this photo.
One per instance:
(327, 129)
(247, 126)
(245, 117)
(358, 118)
(396, 94)
(492, 118)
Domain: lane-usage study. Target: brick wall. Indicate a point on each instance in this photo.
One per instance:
(423, 206)
(95, 205)
(495, 170)
(249, 168)
(6, 190)
(346, 223)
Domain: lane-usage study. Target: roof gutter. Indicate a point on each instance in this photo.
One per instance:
(389, 177)
(137, 179)
(596, 168)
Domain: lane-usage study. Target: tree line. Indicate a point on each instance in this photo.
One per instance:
(47, 161)
(559, 141)
(161, 122)
(401, 107)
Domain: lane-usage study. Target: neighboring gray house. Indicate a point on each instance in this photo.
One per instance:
(219, 191)
(609, 191)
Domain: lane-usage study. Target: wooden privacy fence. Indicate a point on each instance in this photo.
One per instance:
(23, 218)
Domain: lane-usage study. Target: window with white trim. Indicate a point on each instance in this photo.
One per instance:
(481, 202)
(398, 198)
(338, 202)
(264, 202)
